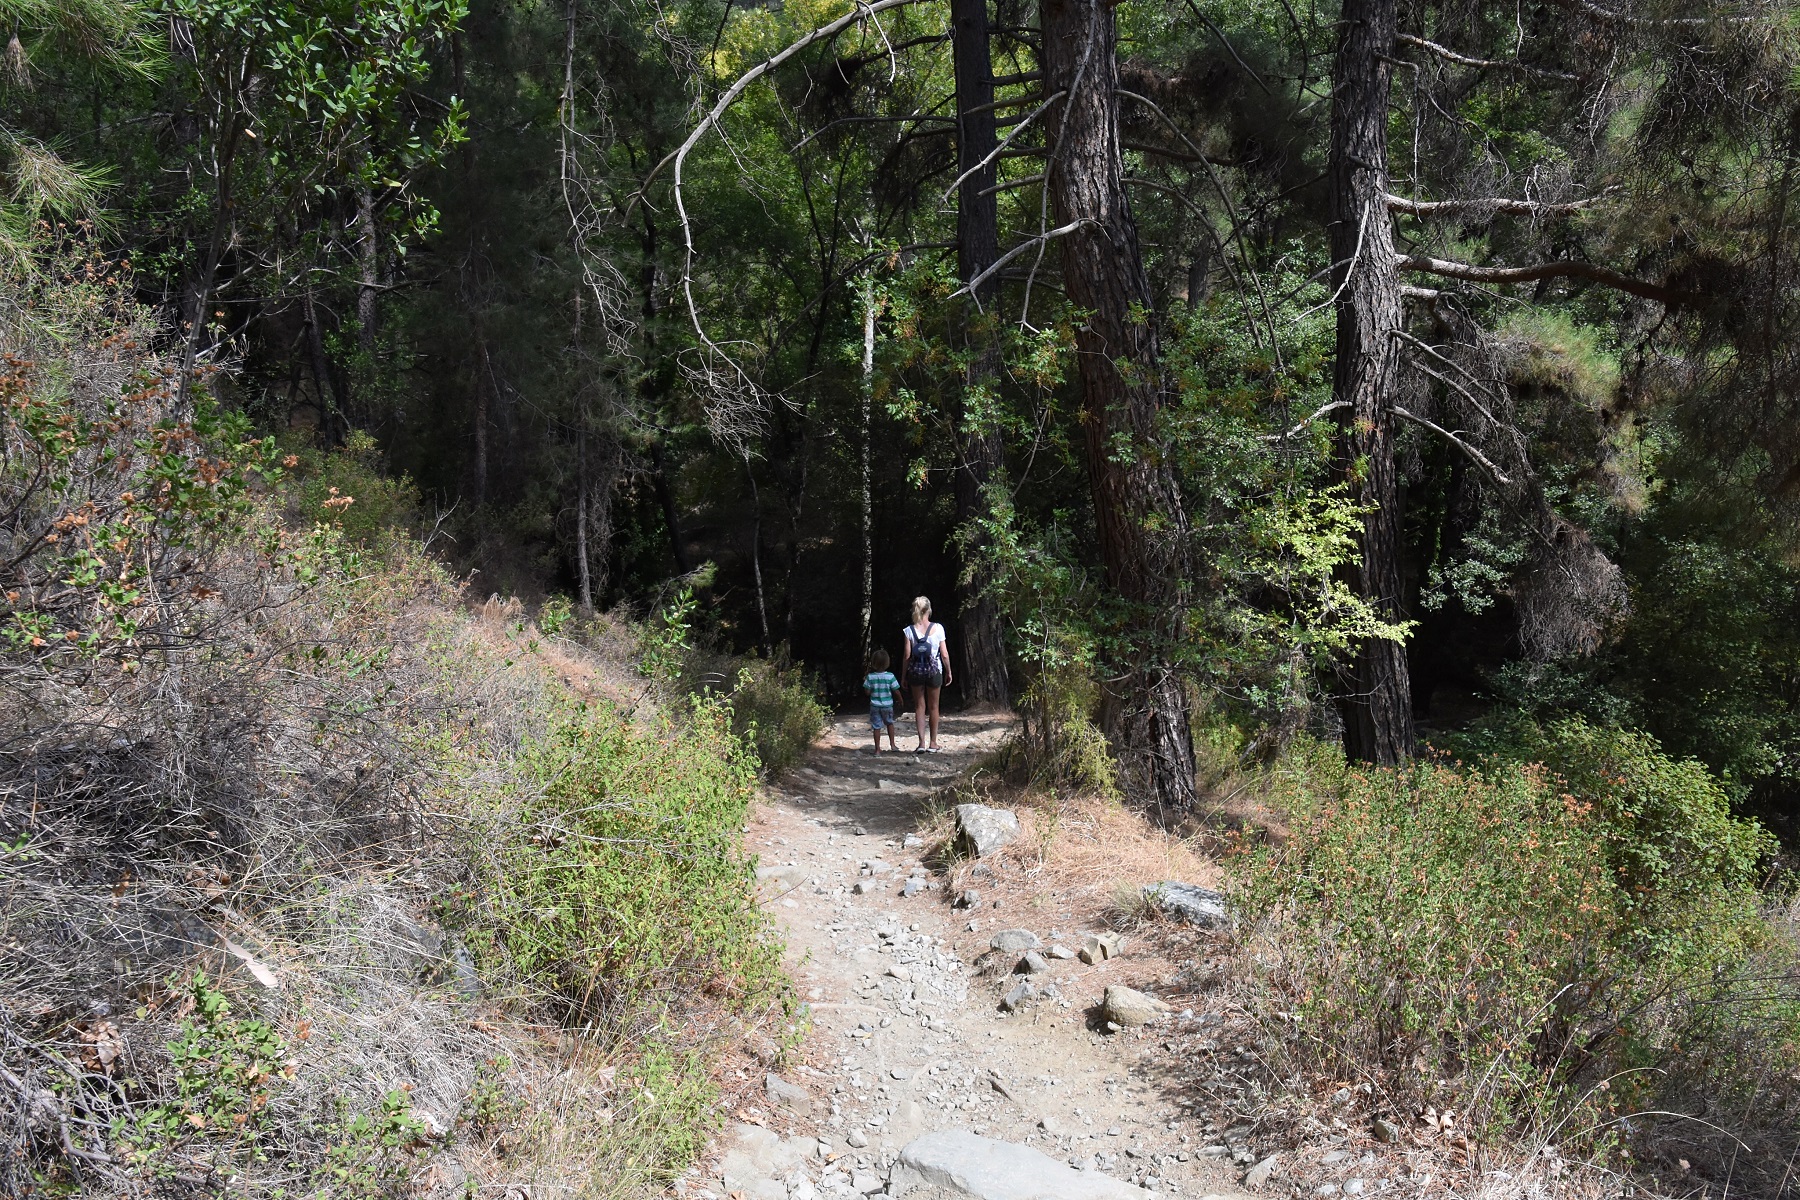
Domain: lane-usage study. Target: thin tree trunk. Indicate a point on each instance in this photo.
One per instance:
(370, 253)
(334, 420)
(762, 608)
(581, 525)
(980, 452)
(482, 386)
(1378, 716)
(665, 496)
(1138, 513)
(868, 504)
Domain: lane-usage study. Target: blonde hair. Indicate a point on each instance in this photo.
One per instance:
(921, 608)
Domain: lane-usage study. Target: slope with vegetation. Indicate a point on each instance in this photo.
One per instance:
(303, 863)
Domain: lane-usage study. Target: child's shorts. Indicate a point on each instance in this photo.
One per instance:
(881, 716)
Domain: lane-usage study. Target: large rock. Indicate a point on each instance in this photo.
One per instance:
(1190, 902)
(1014, 940)
(1128, 1006)
(788, 1095)
(754, 1158)
(983, 830)
(985, 1169)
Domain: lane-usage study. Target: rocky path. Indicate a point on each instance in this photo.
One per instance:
(910, 1032)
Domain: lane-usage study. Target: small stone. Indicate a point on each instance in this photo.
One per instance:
(865, 1183)
(1062, 952)
(967, 898)
(1115, 1131)
(903, 974)
(1032, 964)
(1353, 1187)
(1128, 1006)
(875, 866)
(982, 830)
(912, 888)
(913, 842)
(900, 1073)
(1051, 1126)
(862, 831)
(857, 1138)
(1016, 999)
(1096, 948)
(863, 887)
(1014, 940)
(1259, 1175)
(1385, 1130)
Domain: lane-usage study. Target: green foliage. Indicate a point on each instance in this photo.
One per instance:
(663, 643)
(1514, 933)
(346, 487)
(115, 487)
(624, 891)
(554, 615)
(224, 1070)
(776, 713)
(370, 1155)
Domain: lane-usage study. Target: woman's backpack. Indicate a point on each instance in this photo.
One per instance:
(922, 665)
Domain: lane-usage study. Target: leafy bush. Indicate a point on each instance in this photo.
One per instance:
(346, 487)
(776, 713)
(624, 893)
(622, 896)
(1508, 941)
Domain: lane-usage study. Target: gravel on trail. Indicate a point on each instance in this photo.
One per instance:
(908, 1034)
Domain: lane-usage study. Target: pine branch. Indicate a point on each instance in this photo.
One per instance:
(1673, 297)
(1432, 208)
(1501, 64)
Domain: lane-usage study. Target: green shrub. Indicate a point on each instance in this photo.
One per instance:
(1508, 934)
(1058, 741)
(776, 713)
(346, 487)
(624, 892)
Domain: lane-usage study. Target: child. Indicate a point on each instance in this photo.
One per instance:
(881, 686)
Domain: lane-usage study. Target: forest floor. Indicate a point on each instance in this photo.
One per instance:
(907, 1033)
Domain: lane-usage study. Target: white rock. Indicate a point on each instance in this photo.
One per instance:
(1128, 1006)
(1190, 902)
(865, 1182)
(983, 830)
(987, 1169)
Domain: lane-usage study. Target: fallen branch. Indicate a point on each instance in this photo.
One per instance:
(1432, 208)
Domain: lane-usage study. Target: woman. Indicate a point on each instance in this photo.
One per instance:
(925, 666)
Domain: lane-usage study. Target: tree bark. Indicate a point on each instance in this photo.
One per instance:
(1138, 512)
(1378, 715)
(979, 449)
(369, 252)
(868, 500)
(581, 526)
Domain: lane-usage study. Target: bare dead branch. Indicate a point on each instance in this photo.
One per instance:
(1566, 269)
(1502, 64)
(1475, 455)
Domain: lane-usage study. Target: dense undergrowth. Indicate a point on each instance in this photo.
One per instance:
(1561, 943)
(312, 881)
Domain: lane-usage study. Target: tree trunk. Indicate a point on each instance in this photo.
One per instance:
(370, 254)
(762, 607)
(979, 450)
(665, 496)
(1138, 514)
(581, 525)
(482, 384)
(1378, 716)
(868, 504)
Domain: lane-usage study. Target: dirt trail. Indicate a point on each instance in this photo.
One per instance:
(907, 1034)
